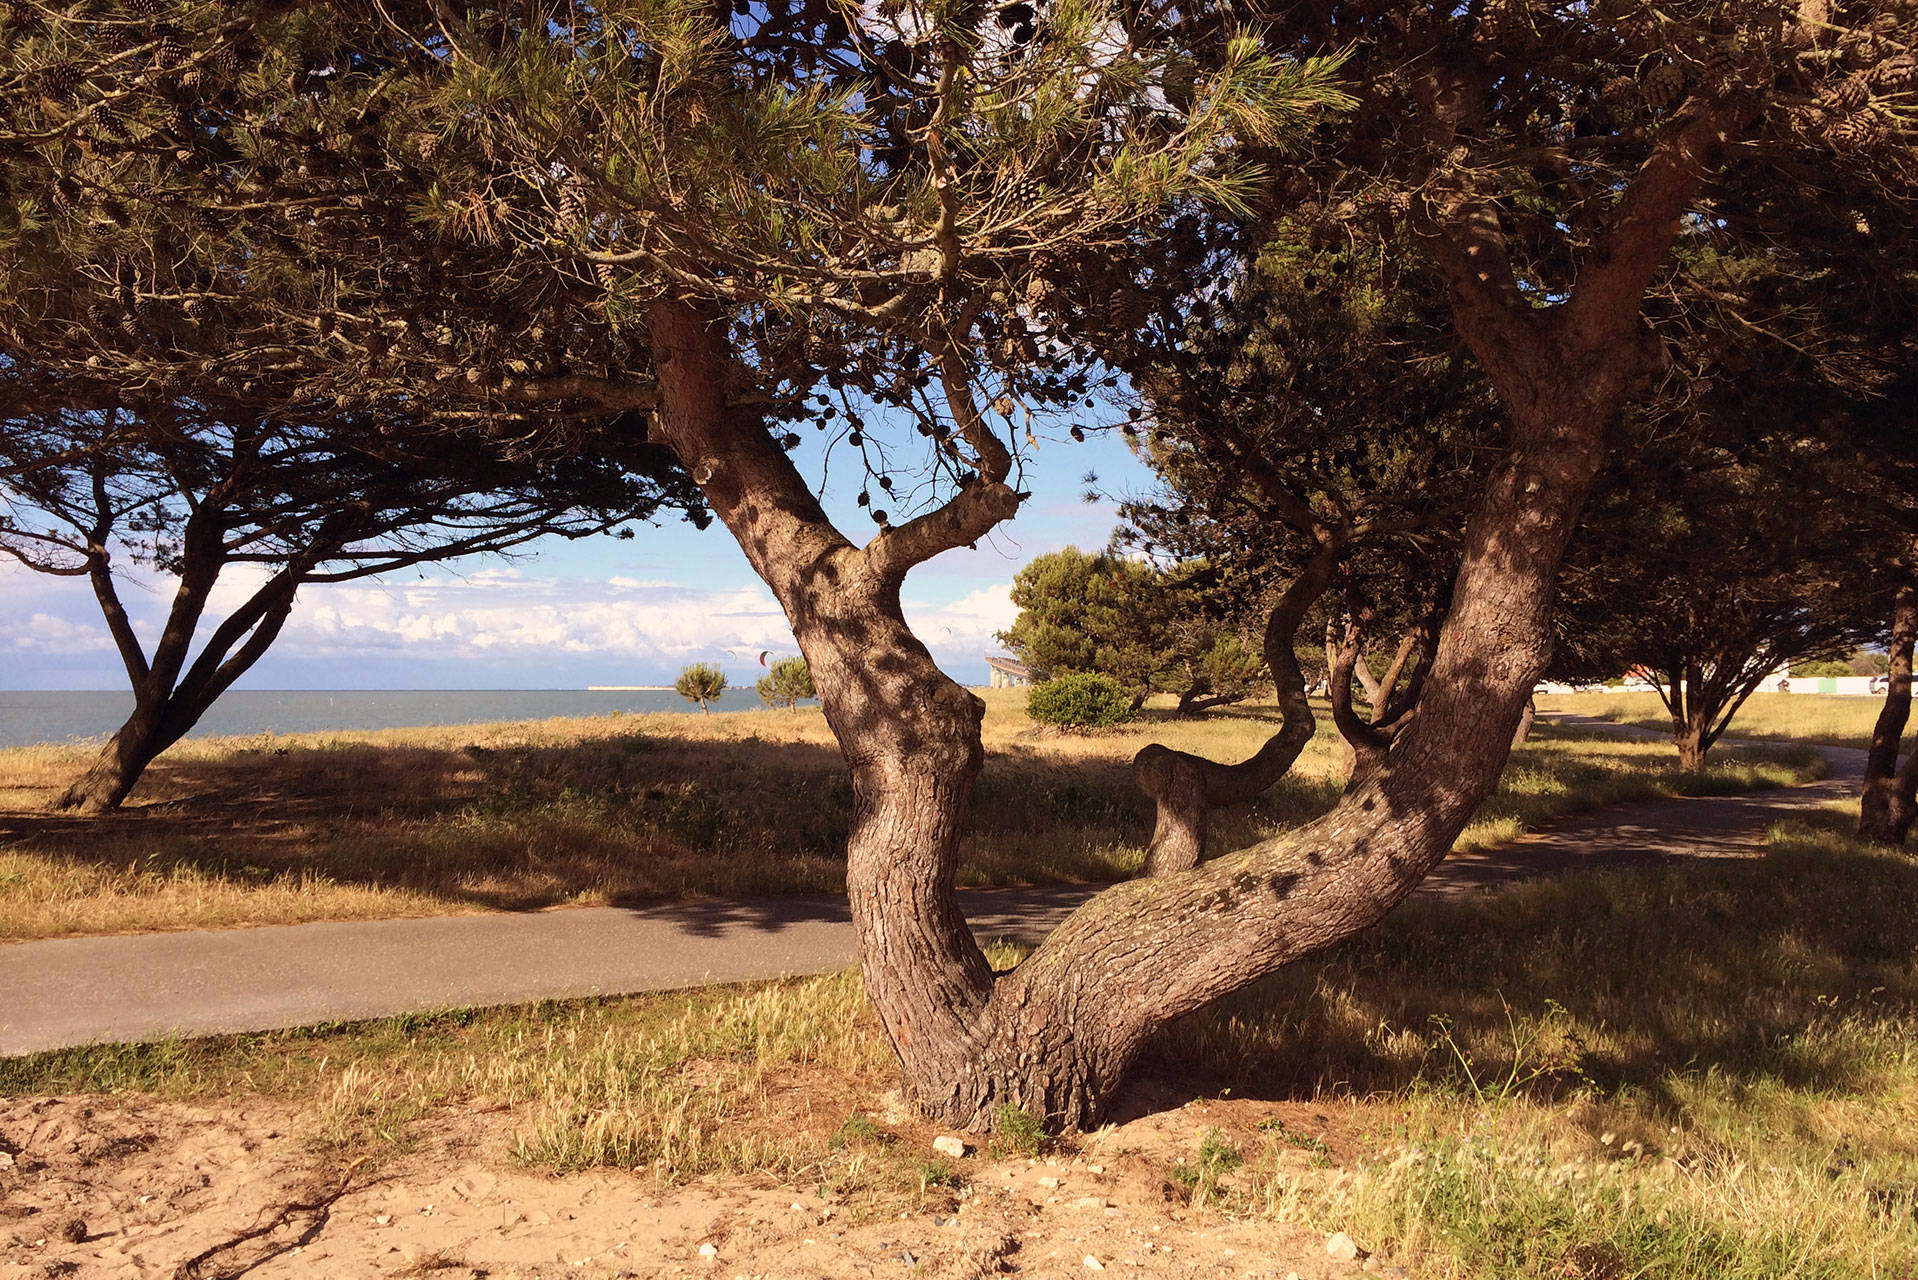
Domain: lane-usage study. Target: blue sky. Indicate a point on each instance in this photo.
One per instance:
(571, 614)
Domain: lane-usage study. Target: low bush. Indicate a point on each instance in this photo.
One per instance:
(1081, 701)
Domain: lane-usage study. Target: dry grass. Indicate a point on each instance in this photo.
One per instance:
(624, 810)
(1691, 1073)
(1785, 717)
(1709, 1071)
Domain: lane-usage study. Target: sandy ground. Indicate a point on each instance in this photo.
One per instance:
(113, 1187)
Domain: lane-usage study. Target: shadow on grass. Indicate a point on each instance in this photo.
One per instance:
(624, 818)
(1798, 970)
(628, 818)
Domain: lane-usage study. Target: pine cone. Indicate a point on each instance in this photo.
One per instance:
(61, 80)
(108, 121)
(1857, 131)
(1722, 67)
(572, 207)
(1897, 74)
(1619, 89)
(1025, 194)
(1663, 86)
(1846, 96)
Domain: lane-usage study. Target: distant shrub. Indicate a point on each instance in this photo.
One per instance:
(1081, 701)
(702, 683)
(789, 681)
(1820, 669)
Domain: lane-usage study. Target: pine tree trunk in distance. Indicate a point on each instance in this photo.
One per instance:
(1890, 800)
(113, 773)
(1527, 718)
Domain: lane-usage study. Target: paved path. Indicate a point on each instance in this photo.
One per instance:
(77, 990)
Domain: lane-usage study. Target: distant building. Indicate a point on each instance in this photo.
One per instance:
(1009, 674)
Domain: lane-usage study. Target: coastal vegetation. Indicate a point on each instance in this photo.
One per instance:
(274, 829)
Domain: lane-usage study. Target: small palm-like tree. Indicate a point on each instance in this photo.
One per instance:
(702, 683)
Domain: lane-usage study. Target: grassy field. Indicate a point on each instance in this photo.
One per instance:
(625, 810)
(1785, 717)
(1695, 1073)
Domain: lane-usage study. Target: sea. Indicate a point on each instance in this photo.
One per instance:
(27, 718)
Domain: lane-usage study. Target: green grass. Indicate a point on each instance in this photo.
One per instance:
(1784, 717)
(1685, 1073)
(637, 809)
(1700, 1072)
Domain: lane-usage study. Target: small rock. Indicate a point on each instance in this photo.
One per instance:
(1093, 1264)
(709, 1251)
(950, 1146)
(1342, 1247)
(1089, 1202)
(1049, 1183)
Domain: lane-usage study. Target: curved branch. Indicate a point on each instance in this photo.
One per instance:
(1186, 788)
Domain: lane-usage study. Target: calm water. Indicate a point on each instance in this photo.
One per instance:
(30, 717)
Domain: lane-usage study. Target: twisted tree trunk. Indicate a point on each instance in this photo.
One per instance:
(1890, 802)
(1056, 1036)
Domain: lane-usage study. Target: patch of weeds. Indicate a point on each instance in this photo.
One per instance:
(1019, 1133)
(860, 1130)
(1199, 1178)
(936, 1174)
(1315, 1146)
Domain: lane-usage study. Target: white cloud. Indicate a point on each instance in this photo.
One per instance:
(961, 632)
(44, 633)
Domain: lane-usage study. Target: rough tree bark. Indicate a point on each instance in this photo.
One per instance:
(1890, 802)
(1056, 1036)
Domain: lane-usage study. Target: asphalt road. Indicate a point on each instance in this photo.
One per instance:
(72, 991)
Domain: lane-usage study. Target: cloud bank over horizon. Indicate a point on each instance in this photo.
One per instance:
(498, 626)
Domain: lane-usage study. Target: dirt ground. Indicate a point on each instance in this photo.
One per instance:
(114, 1187)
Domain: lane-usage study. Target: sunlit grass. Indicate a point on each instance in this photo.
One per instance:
(1794, 717)
(631, 809)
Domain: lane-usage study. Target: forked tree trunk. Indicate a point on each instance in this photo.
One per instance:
(1056, 1036)
(1690, 739)
(167, 704)
(1890, 802)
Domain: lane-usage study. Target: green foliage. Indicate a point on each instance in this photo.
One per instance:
(1082, 700)
(1150, 630)
(1018, 1132)
(860, 1130)
(702, 682)
(1820, 668)
(1218, 1155)
(789, 680)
